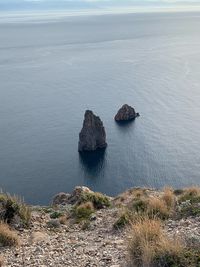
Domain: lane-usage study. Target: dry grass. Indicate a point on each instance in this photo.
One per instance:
(7, 236)
(148, 245)
(169, 197)
(193, 190)
(63, 219)
(157, 207)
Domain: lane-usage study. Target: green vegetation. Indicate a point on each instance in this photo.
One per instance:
(189, 202)
(125, 218)
(56, 214)
(97, 199)
(14, 208)
(83, 211)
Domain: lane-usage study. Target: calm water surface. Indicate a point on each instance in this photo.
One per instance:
(51, 71)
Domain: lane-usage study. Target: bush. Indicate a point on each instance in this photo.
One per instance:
(178, 192)
(149, 246)
(125, 218)
(169, 198)
(189, 202)
(191, 194)
(188, 209)
(97, 199)
(13, 209)
(157, 207)
(7, 236)
(83, 211)
(140, 205)
(56, 214)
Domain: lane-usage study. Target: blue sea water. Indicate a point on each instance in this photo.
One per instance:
(51, 71)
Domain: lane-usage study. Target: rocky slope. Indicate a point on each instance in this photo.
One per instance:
(61, 236)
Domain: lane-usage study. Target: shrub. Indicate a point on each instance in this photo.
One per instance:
(178, 192)
(97, 199)
(189, 202)
(13, 208)
(84, 211)
(148, 246)
(56, 214)
(143, 241)
(139, 205)
(7, 236)
(192, 194)
(157, 207)
(188, 209)
(168, 197)
(125, 218)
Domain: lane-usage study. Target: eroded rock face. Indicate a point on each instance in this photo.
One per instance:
(92, 135)
(70, 199)
(126, 113)
(61, 199)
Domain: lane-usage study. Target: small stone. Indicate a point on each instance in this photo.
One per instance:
(54, 223)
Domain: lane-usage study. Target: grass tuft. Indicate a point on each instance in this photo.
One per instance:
(84, 211)
(7, 236)
(13, 208)
(149, 246)
(98, 200)
(169, 197)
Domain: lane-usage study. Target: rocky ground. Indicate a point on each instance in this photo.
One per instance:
(50, 242)
(69, 245)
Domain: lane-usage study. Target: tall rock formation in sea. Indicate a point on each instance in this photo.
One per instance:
(92, 135)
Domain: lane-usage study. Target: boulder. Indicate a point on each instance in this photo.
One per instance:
(70, 199)
(126, 113)
(92, 135)
(77, 193)
(60, 199)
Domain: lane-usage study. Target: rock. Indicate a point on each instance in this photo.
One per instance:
(71, 199)
(60, 199)
(93, 217)
(126, 113)
(92, 135)
(76, 194)
(54, 223)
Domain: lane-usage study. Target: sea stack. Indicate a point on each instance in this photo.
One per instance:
(92, 135)
(126, 113)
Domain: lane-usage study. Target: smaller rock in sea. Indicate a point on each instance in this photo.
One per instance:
(126, 113)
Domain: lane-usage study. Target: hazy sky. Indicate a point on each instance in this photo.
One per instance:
(77, 4)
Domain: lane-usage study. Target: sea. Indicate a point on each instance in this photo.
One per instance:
(52, 69)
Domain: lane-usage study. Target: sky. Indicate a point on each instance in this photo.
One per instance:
(6, 5)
